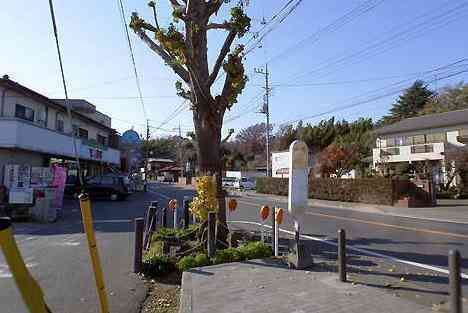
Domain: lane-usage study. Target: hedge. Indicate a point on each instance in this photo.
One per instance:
(376, 190)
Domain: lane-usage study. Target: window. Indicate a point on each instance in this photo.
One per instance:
(107, 180)
(102, 140)
(422, 149)
(416, 140)
(59, 123)
(395, 141)
(463, 132)
(389, 151)
(24, 113)
(94, 180)
(437, 137)
(82, 133)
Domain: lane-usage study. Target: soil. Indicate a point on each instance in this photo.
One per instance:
(163, 294)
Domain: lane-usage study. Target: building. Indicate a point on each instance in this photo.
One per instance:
(35, 131)
(156, 164)
(421, 139)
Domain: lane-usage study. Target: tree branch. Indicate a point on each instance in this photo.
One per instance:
(214, 6)
(225, 25)
(178, 69)
(227, 88)
(231, 131)
(222, 55)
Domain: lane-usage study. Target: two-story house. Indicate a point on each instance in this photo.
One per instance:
(35, 130)
(421, 139)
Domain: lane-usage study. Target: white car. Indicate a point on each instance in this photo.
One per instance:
(228, 181)
(245, 183)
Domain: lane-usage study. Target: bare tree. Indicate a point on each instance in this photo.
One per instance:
(186, 54)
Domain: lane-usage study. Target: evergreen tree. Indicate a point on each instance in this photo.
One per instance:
(410, 103)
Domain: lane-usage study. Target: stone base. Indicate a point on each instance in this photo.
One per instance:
(300, 257)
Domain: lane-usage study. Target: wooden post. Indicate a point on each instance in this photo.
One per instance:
(164, 217)
(273, 227)
(276, 230)
(455, 282)
(138, 253)
(186, 214)
(150, 222)
(342, 255)
(211, 234)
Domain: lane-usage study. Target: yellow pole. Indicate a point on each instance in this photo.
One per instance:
(85, 205)
(30, 291)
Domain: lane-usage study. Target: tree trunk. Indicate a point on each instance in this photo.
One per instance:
(208, 132)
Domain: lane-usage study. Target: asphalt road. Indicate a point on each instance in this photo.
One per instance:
(57, 256)
(418, 240)
(421, 241)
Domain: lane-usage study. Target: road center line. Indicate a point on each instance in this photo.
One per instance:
(363, 251)
(422, 230)
(406, 228)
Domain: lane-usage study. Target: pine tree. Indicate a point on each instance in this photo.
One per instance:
(411, 103)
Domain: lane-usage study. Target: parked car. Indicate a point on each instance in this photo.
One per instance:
(245, 183)
(110, 186)
(72, 187)
(228, 181)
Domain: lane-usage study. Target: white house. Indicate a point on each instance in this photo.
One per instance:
(423, 138)
(35, 129)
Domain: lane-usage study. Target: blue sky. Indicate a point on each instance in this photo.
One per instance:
(309, 78)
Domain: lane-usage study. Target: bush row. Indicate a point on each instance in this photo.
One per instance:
(376, 190)
(249, 251)
(154, 264)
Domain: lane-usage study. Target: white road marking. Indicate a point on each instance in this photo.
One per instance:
(113, 221)
(5, 271)
(364, 251)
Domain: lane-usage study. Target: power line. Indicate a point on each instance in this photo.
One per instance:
(272, 28)
(335, 25)
(67, 103)
(349, 82)
(399, 89)
(130, 47)
(398, 35)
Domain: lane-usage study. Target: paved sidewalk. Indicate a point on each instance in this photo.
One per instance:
(263, 286)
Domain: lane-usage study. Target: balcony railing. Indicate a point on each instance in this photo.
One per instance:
(422, 148)
(389, 151)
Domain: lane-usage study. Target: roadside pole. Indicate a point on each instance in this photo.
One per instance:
(29, 289)
(85, 205)
(298, 194)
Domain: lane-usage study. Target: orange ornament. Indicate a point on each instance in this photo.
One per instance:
(264, 212)
(279, 216)
(232, 205)
(172, 204)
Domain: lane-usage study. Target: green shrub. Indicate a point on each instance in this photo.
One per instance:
(186, 263)
(202, 260)
(156, 249)
(188, 234)
(155, 266)
(272, 185)
(256, 250)
(189, 261)
(378, 190)
(227, 256)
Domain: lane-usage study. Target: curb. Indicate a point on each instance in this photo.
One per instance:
(186, 293)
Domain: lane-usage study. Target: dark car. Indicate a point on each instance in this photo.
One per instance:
(111, 186)
(72, 186)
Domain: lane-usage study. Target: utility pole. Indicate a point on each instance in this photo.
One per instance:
(147, 152)
(266, 110)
